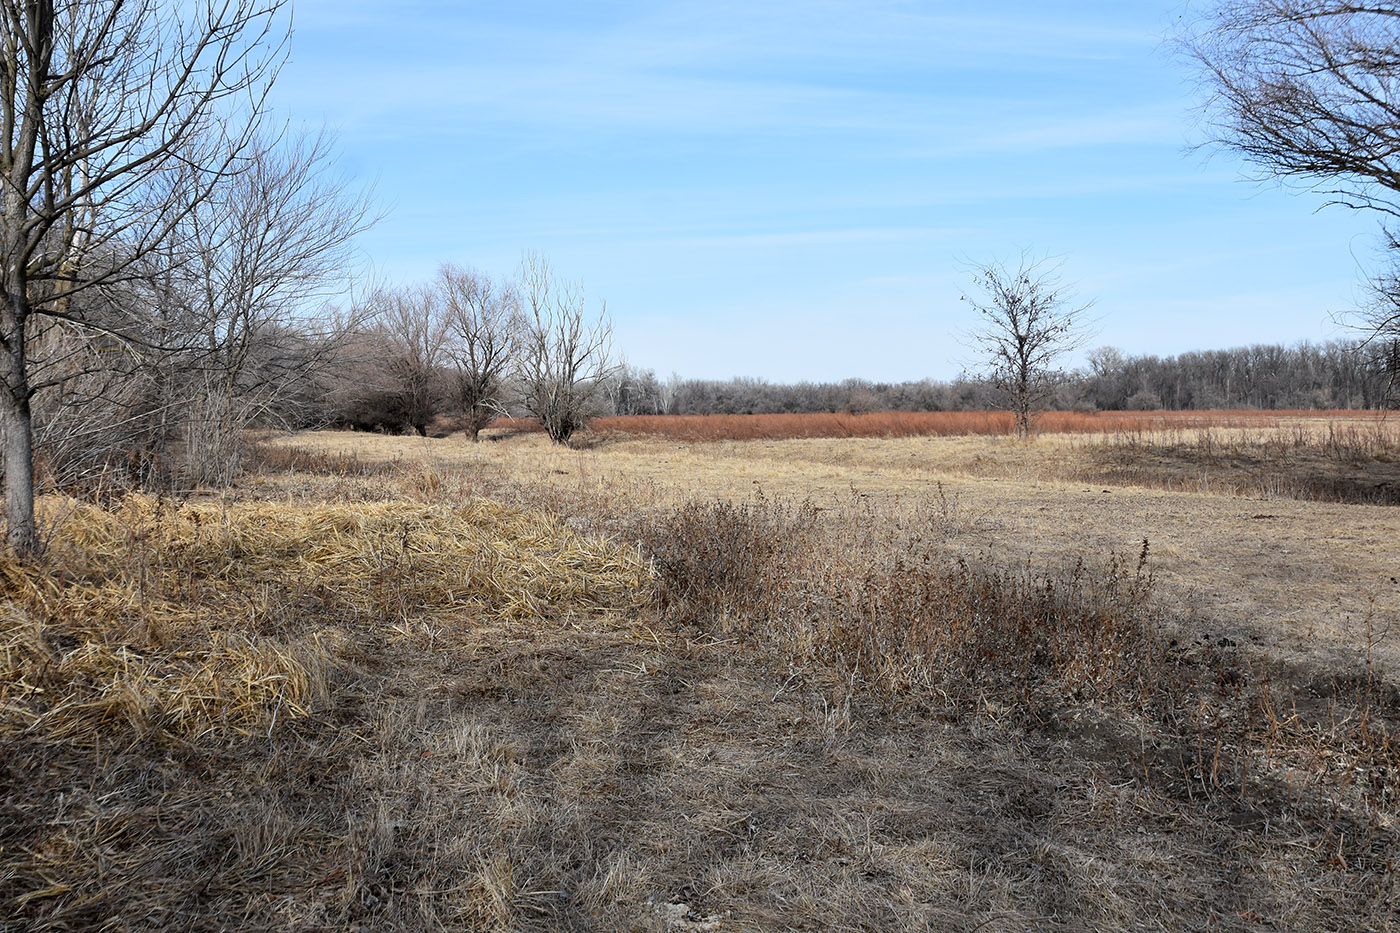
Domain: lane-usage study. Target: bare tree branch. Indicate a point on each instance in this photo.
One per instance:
(1309, 92)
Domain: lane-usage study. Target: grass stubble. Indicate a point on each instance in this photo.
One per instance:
(403, 694)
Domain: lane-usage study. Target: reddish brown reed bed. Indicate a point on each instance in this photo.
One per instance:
(928, 423)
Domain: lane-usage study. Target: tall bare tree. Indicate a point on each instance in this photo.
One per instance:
(1029, 319)
(102, 103)
(1309, 92)
(482, 319)
(565, 353)
(260, 258)
(412, 328)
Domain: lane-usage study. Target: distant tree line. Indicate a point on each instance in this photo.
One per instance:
(1311, 376)
(1320, 376)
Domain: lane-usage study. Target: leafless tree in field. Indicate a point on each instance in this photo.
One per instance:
(412, 330)
(1309, 91)
(1029, 319)
(258, 260)
(101, 103)
(565, 353)
(483, 326)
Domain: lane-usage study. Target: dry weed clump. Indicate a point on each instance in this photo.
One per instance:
(901, 616)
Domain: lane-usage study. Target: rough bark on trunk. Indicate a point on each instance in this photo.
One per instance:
(16, 428)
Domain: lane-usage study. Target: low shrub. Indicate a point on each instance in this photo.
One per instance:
(908, 621)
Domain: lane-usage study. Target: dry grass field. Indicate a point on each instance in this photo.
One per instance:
(1228, 541)
(855, 683)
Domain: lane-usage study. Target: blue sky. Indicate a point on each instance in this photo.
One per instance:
(794, 190)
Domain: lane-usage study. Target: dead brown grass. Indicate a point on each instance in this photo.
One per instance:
(857, 591)
(444, 689)
(191, 636)
(931, 423)
(1335, 461)
(1222, 545)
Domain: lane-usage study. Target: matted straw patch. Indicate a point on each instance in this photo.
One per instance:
(200, 618)
(372, 556)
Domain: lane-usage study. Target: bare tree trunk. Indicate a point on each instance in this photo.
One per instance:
(16, 429)
(23, 114)
(21, 532)
(1023, 391)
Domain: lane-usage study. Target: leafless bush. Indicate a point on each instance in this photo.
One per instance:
(93, 419)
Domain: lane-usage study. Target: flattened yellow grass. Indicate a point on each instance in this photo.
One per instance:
(479, 553)
(194, 618)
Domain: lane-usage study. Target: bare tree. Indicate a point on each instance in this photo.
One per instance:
(1309, 91)
(482, 319)
(259, 259)
(102, 102)
(1029, 320)
(412, 331)
(565, 354)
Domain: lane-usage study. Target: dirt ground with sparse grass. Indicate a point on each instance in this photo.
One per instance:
(423, 684)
